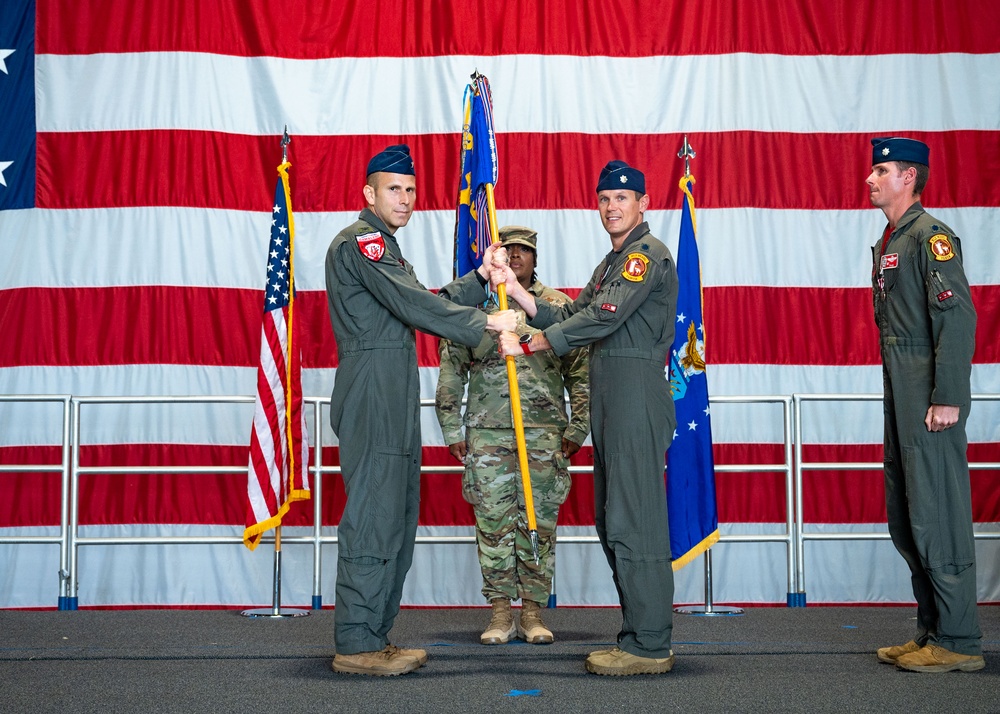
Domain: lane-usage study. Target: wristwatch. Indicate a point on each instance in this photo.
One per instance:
(525, 339)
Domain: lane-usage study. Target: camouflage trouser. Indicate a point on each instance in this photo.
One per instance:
(492, 484)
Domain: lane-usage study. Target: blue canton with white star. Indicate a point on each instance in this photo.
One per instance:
(277, 292)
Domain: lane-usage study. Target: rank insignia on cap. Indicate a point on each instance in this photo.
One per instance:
(371, 245)
(941, 297)
(609, 307)
(941, 247)
(635, 267)
(885, 151)
(890, 261)
(623, 179)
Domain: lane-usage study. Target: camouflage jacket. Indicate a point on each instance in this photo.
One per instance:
(541, 377)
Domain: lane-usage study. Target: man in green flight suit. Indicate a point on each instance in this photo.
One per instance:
(375, 303)
(927, 328)
(492, 479)
(626, 314)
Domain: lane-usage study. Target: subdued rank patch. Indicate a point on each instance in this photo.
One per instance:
(944, 296)
(635, 267)
(941, 247)
(371, 245)
(609, 307)
(890, 261)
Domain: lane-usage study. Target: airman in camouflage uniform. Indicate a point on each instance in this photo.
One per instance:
(492, 479)
(927, 330)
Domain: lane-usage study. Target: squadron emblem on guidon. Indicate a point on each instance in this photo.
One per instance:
(635, 267)
(371, 245)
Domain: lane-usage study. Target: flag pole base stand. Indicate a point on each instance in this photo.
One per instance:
(271, 612)
(710, 611)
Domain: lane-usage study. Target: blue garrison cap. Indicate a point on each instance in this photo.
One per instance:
(618, 174)
(899, 149)
(392, 159)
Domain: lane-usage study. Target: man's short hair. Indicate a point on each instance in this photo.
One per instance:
(923, 173)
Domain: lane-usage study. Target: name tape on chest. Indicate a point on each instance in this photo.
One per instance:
(890, 261)
(635, 267)
(941, 247)
(371, 245)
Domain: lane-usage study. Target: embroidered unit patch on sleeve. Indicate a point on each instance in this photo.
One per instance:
(941, 247)
(609, 307)
(941, 297)
(635, 267)
(371, 245)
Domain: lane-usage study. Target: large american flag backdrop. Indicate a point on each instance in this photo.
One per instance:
(137, 161)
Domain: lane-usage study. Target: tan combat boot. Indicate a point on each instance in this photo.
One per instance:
(934, 658)
(531, 628)
(889, 655)
(501, 627)
(419, 655)
(387, 662)
(619, 663)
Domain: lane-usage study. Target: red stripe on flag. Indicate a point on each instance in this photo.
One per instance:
(165, 325)
(357, 28)
(152, 168)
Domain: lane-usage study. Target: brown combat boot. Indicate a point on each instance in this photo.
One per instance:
(388, 662)
(889, 655)
(501, 627)
(934, 658)
(531, 628)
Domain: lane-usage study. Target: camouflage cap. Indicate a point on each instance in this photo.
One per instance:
(519, 235)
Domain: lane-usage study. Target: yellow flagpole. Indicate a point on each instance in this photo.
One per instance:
(515, 396)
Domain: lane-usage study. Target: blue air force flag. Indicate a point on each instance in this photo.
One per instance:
(694, 518)
(479, 167)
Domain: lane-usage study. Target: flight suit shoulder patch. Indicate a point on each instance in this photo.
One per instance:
(371, 245)
(635, 268)
(940, 247)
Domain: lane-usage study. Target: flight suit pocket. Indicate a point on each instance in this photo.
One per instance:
(940, 296)
(920, 466)
(390, 467)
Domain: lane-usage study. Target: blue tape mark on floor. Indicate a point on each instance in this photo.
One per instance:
(848, 627)
(524, 693)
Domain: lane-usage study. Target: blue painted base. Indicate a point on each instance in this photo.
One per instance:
(552, 600)
(317, 602)
(68, 603)
(796, 599)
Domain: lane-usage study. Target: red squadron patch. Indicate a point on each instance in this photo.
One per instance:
(609, 307)
(371, 245)
(635, 267)
(890, 261)
(941, 297)
(941, 247)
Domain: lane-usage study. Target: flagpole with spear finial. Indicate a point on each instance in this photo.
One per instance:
(515, 393)
(276, 610)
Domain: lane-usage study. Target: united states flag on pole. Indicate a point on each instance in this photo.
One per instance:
(279, 455)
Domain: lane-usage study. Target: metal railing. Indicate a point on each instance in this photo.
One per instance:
(801, 465)
(70, 540)
(64, 538)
